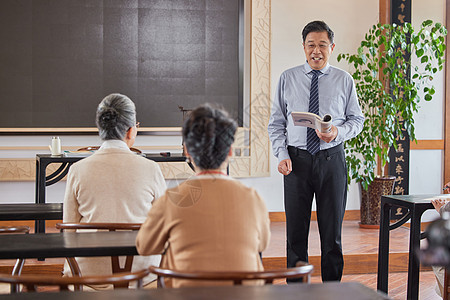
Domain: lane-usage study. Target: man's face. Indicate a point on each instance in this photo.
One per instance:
(318, 49)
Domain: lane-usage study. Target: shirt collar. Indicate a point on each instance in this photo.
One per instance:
(209, 176)
(325, 70)
(118, 144)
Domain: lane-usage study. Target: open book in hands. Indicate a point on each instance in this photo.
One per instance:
(311, 120)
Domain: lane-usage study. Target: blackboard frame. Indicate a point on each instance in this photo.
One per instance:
(157, 131)
(162, 131)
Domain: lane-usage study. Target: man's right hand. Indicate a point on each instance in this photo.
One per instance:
(285, 167)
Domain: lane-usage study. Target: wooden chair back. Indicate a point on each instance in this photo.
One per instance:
(32, 282)
(18, 266)
(115, 264)
(14, 229)
(302, 270)
(93, 148)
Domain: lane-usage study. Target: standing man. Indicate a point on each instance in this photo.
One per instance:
(313, 163)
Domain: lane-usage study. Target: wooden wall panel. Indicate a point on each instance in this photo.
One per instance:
(427, 145)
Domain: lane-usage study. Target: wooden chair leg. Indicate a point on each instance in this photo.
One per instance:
(116, 268)
(18, 266)
(76, 271)
(308, 279)
(140, 284)
(17, 270)
(74, 267)
(160, 282)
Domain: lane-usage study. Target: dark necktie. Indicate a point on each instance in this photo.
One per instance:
(312, 140)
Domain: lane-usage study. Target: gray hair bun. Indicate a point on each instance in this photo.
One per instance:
(116, 114)
(108, 118)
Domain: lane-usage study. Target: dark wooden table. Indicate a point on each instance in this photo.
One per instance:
(31, 211)
(326, 291)
(42, 181)
(68, 244)
(416, 206)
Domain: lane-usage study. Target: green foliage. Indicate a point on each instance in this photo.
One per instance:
(392, 102)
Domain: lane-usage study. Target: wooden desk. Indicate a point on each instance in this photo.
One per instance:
(416, 206)
(42, 181)
(68, 244)
(326, 291)
(31, 211)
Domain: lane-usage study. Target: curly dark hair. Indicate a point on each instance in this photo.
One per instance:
(318, 26)
(208, 134)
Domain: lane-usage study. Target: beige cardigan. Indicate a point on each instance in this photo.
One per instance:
(207, 223)
(112, 185)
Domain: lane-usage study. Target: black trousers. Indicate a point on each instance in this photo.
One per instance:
(325, 176)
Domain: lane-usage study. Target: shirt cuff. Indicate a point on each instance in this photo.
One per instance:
(339, 137)
(284, 154)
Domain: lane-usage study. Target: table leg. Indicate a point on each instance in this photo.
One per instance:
(383, 248)
(39, 225)
(41, 170)
(37, 189)
(413, 262)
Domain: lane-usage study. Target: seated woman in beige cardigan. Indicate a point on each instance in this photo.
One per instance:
(113, 185)
(210, 222)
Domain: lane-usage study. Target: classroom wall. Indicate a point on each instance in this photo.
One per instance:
(427, 166)
(349, 19)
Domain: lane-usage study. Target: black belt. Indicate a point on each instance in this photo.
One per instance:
(324, 152)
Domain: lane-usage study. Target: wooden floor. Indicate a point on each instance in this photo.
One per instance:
(359, 243)
(360, 247)
(355, 240)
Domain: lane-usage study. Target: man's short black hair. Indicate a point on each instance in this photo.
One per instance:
(318, 26)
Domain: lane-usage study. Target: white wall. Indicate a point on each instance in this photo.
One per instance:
(349, 19)
(427, 166)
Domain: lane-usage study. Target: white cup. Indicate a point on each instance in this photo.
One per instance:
(56, 146)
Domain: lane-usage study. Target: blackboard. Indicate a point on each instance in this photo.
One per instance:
(59, 58)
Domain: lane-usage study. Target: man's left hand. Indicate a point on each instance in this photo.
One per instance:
(328, 136)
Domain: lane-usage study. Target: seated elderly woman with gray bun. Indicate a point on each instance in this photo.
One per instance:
(210, 222)
(113, 185)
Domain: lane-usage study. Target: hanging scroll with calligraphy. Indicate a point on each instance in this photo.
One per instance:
(399, 159)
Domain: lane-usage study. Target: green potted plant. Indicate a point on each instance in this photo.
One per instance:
(389, 93)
